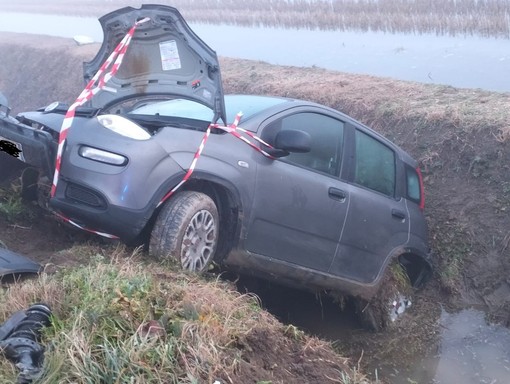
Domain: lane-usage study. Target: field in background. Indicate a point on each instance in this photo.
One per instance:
(487, 18)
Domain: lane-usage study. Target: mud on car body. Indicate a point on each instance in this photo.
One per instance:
(332, 207)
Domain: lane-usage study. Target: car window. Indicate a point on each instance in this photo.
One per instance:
(326, 140)
(413, 184)
(375, 164)
(175, 108)
(248, 105)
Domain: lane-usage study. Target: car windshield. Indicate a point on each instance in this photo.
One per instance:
(175, 108)
(183, 108)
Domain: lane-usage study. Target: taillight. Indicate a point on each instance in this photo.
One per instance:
(422, 191)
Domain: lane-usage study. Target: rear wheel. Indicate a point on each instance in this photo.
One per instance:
(186, 231)
(390, 302)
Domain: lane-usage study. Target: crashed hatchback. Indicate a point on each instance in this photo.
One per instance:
(288, 190)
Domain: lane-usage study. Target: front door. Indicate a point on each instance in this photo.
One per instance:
(300, 205)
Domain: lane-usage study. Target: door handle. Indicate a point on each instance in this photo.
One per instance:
(337, 194)
(398, 214)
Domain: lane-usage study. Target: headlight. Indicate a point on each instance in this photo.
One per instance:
(102, 156)
(123, 126)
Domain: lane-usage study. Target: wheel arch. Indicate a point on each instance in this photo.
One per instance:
(227, 200)
(417, 267)
(415, 263)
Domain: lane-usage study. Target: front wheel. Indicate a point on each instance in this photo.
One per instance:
(186, 231)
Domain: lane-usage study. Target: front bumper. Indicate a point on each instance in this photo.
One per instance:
(91, 209)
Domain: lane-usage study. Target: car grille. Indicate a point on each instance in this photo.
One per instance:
(85, 196)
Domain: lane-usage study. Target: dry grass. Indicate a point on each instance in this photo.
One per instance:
(120, 320)
(384, 104)
(100, 308)
(441, 17)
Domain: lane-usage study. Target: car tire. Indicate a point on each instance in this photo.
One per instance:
(186, 231)
(390, 302)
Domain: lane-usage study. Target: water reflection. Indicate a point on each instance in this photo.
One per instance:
(471, 351)
(432, 346)
(471, 62)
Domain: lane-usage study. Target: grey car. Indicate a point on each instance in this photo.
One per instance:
(307, 197)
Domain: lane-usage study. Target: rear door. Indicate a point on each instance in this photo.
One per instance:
(300, 205)
(378, 220)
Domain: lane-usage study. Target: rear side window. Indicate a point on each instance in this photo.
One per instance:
(375, 165)
(413, 185)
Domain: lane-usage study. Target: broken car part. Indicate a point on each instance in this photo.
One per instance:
(19, 340)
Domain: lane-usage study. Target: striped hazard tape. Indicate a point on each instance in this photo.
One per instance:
(97, 83)
(101, 78)
(233, 130)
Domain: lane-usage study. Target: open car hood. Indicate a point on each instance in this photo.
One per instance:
(165, 57)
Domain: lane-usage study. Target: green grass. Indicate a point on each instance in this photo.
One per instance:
(452, 245)
(400, 278)
(100, 314)
(11, 206)
(121, 320)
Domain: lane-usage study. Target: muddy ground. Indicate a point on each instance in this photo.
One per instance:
(461, 138)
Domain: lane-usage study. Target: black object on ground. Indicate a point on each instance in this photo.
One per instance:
(12, 263)
(19, 340)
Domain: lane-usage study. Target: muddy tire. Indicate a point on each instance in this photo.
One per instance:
(186, 231)
(390, 302)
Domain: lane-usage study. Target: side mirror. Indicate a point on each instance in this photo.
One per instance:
(291, 140)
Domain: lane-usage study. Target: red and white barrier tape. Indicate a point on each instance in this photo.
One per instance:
(101, 78)
(67, 220)
(233, 130)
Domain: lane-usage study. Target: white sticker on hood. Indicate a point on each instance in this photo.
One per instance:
(169, 55)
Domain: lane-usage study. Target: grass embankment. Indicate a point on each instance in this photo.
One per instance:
(118, 319)
(441, 17)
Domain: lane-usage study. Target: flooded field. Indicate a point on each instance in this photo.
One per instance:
(471, 62)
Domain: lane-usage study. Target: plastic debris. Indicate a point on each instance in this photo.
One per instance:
(83, 40)
(399, 306)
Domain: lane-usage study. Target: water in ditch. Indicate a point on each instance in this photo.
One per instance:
(433, 345)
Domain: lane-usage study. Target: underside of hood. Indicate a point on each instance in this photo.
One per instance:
(164, 57)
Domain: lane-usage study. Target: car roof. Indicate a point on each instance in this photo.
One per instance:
(252, 105)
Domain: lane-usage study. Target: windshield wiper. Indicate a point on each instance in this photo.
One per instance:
(158, 121)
